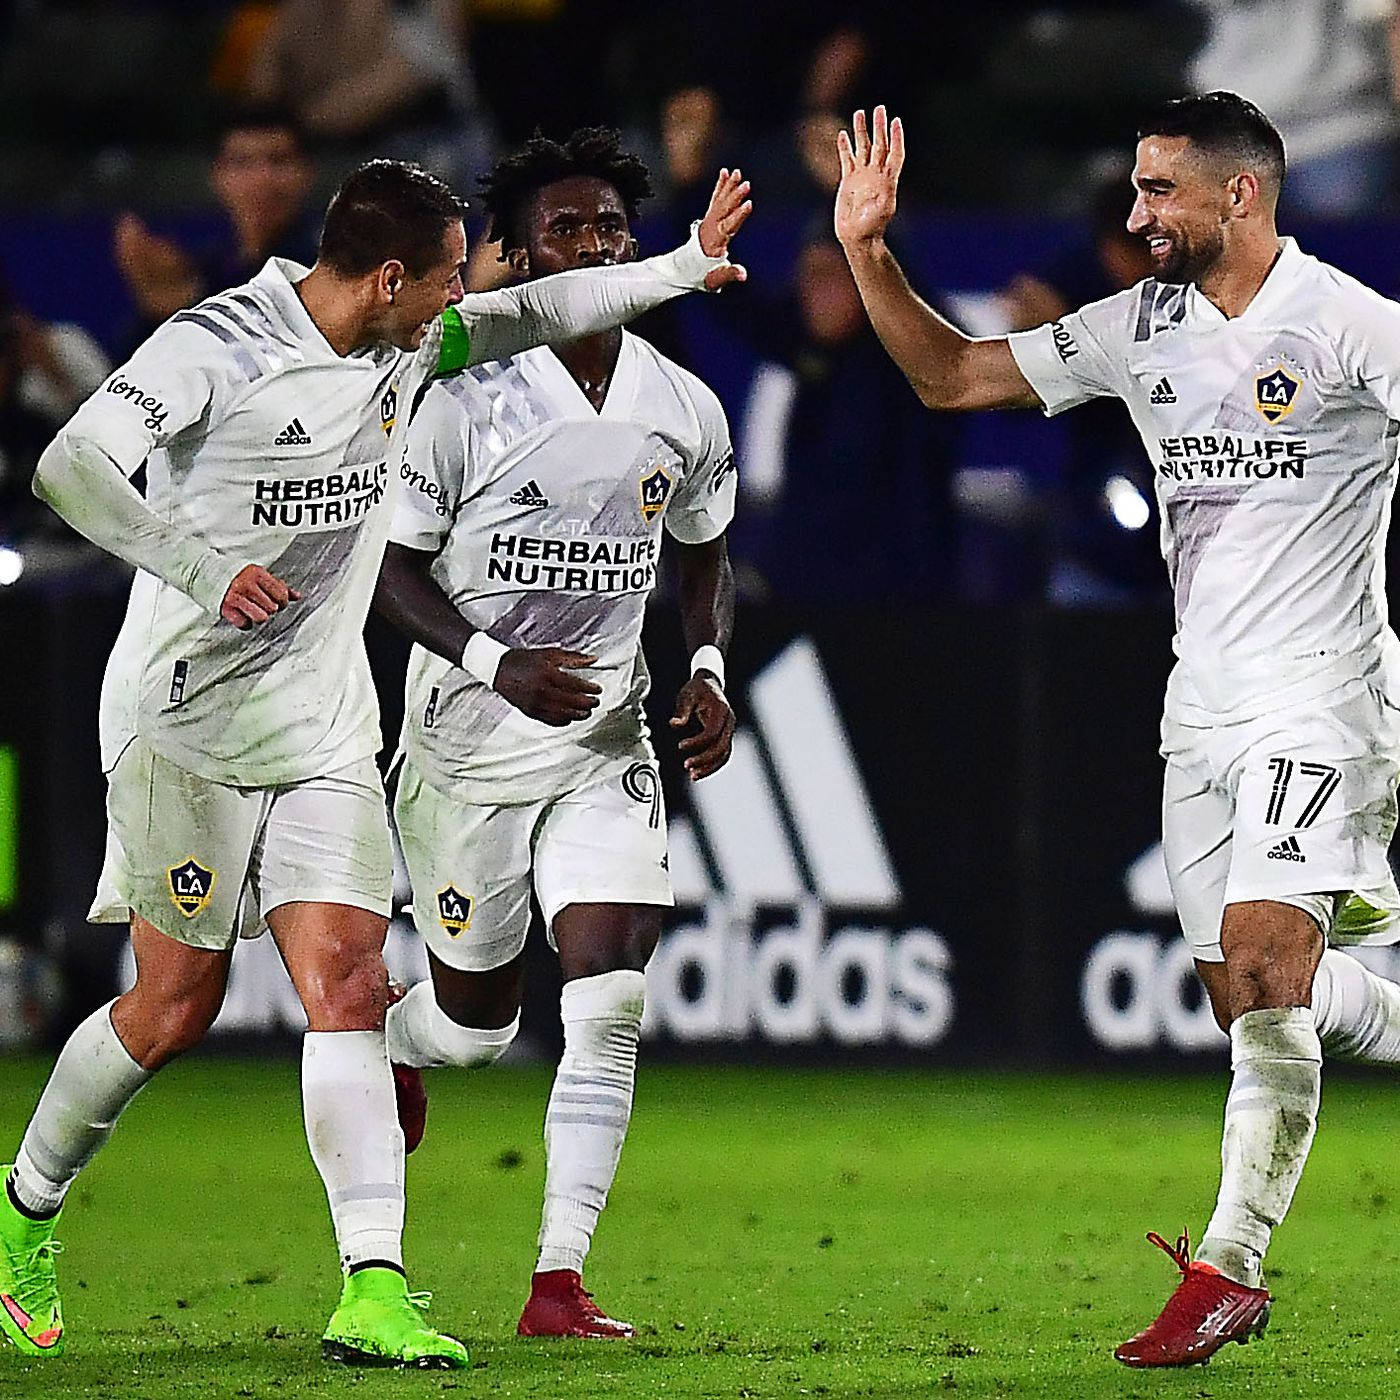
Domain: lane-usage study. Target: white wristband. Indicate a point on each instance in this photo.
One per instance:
(711, 659)
(481, 656)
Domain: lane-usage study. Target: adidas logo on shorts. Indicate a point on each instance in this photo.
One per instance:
(1162, 392)
(1287, 849)
(529, 495)
(293, 435)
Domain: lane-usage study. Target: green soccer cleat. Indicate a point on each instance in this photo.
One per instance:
(30, 1313)
(380, 1323)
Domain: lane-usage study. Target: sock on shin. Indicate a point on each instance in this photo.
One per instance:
(1357, 1013)
(420, 1033)
(589, 1108)
(92, 1081)
(353, 1131)
(1270, 1119)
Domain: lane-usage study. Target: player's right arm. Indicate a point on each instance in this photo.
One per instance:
(83, 474)
(947, 369)
(542, 682)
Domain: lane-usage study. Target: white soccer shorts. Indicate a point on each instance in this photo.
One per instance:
(205, 862)
(1297, 807)
(471, 867)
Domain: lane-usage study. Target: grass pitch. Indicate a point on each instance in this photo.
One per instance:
(772, 1234)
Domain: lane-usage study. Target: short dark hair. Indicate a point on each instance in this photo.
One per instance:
(259, 117)
(387, 209)
(591, 150)
(1223, 124)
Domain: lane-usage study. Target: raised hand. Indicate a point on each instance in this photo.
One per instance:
(730, 207)
(701, 702)
(870, 166)
(254, 595)
(543, 682)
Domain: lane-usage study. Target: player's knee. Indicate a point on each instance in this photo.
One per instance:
(157, 1032)
(472, 1047)
(349, 992)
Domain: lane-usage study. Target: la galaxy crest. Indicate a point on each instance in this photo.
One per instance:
(191, 887)
(655, 488)
(389, 409)
(455, 910)
(1276, 393)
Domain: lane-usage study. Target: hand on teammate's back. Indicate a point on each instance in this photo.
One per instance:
(730, 207)
(870, 166)
(254, 595)
(543, 682)
(702, 702)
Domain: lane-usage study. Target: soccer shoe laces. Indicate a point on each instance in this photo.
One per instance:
(1179, 1253)
(36, 1283)
(422, 1300)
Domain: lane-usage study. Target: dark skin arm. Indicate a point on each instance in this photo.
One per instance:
(542, 682)
(707, 619)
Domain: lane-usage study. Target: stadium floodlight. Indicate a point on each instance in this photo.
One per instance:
(1128, 504)
(11, 565)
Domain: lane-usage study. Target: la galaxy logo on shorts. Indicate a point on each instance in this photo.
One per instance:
(454, 910)
(389, 409)
(1276, 393)
(191, 887)
(655, 488)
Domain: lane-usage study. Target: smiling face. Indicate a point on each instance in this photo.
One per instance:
(412, 304)
(577, 222)
(1185, 200)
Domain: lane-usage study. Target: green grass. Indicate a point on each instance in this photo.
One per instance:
(772, 1234)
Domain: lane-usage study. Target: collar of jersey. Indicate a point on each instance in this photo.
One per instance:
(278, 280)
(617, 402)
(1272, 293)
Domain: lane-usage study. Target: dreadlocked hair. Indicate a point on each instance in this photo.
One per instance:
(591, 150)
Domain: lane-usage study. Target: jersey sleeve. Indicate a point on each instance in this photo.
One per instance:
(433, 472)
(704, 504)
(174, 380)
(1081, 356)
(1369, 347)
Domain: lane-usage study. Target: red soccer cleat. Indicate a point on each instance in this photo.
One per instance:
(560, 1306)
(410, 1097)
(1206, 1311)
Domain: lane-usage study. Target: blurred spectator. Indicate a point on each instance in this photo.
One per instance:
(388, 74)
(1326, 73)
(1102, 546)
(845, 473)
(46, 371)
(262, 178)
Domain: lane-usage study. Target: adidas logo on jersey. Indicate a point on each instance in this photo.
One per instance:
(1162, 392)
(529, 495)
(1287, 849)
(293, 435)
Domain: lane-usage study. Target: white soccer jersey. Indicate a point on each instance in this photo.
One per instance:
(548, 518)
(268, 447)
(1273, 435)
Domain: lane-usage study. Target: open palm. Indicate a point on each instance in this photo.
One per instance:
(870, 166)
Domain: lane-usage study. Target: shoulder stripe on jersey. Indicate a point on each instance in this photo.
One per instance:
(1146, 299)
(280, 334)
(259, 344)
(251, 368)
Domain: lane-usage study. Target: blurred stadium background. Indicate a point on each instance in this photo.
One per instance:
(931, 872)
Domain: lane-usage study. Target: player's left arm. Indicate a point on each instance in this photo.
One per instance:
(488, 326)
(707, 622)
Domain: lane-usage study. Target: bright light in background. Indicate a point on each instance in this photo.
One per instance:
(1128, 504)
(11, 565)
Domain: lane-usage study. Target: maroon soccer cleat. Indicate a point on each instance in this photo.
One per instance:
(410, 1097)
(1206, 1311)
(560, 1306)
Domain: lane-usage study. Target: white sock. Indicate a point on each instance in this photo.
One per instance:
(1356, 1012)
(588, 1111)
(420, 1033)
(93, 1079)
(352, 1127)
(1270, 1119)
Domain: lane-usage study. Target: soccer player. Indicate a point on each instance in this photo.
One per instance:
(1265, 386)
(238, 719)
(524, 547)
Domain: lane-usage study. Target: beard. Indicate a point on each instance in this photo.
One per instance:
(1189, 259)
